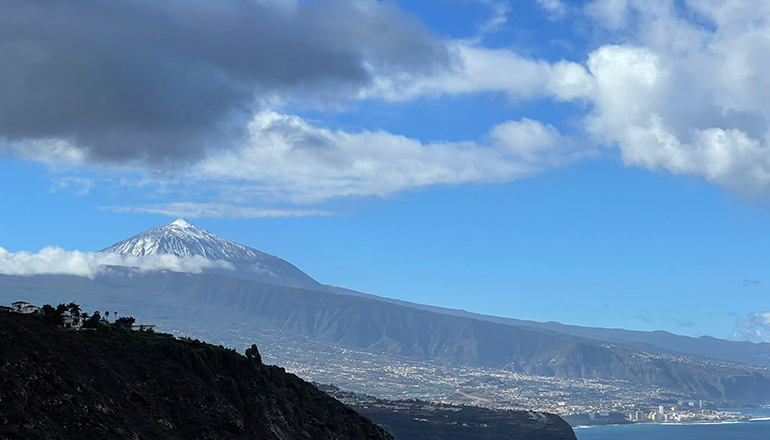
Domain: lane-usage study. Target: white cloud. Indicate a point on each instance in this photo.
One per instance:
(46, 150)
(57, 261)
(556, 9)
(676, 94)
(288, 157)
(684, 88)
(479, 69)
(755, 327)
(216, 210)
(681, 98)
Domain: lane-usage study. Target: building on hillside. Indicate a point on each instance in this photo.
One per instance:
(24, 307)
(72, 322)
(5, 309)
(143, 327)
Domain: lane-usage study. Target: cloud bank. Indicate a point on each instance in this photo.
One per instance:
(158, 83)
(202, 97)
(287, 158)
(57, 261)
(682, 88)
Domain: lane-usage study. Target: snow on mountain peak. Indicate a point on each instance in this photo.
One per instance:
(182, 223)
(183, 239)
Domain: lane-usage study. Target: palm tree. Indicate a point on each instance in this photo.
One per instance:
(74, 309)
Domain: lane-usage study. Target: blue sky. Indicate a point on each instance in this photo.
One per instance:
(597, 163)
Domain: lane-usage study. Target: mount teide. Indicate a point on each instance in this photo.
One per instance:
(183, 239)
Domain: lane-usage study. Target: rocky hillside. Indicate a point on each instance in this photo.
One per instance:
(119, 384)
(419, 420)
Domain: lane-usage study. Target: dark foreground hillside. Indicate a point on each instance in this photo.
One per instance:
(118, 384)
(419, 420)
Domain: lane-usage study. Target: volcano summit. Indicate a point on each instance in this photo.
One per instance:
(183, 239)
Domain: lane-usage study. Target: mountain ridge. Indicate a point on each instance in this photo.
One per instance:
(182, 238)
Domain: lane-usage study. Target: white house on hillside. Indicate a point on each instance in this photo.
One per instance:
(143, 327)
(24, 307)
(73, 322)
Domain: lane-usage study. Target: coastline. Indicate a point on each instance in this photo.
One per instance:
(723, 422)
(755, 426)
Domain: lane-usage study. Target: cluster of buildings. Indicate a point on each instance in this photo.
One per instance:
(23, 307)
(69, 321)
(692, 411)
(659, 416)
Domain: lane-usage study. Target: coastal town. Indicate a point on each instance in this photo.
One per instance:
(679, 413)
(588, 401)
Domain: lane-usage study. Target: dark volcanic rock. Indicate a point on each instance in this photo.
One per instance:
(437, 422)
(420, 420)
(56, 384)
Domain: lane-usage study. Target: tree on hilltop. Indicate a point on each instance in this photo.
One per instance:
(93, 321)
(74, 309)
(125, 322)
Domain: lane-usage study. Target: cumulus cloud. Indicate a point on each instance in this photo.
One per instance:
(683, 88)
(284, 160)
(685, 96)
(287, 157)
(57, 261)
(754, 327)
(480, 69)
(159, 82)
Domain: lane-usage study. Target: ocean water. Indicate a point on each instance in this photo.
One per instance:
(750, 430)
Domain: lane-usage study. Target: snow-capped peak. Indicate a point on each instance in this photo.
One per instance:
(182, 223)
(183, 239)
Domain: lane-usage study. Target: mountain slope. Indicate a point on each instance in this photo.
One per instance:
(183, 239)
(392, 330)
(127, 385)
(703, 346)
(209, 300)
